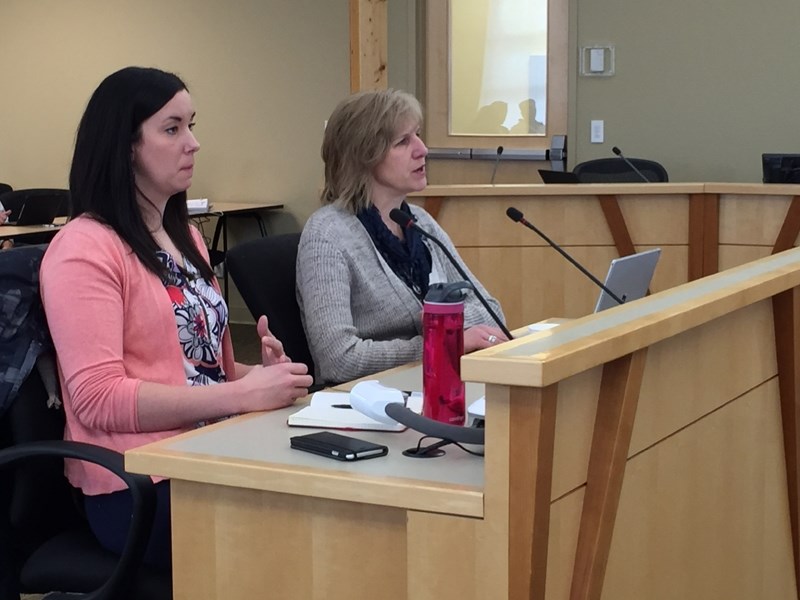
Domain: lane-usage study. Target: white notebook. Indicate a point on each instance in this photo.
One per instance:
(330, 410)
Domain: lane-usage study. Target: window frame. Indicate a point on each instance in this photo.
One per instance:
(437, 82)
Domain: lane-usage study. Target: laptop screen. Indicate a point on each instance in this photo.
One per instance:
(558, 176)
(780, 168)
(629, 278)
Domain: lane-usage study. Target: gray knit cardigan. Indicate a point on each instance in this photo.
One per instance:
(359, 317)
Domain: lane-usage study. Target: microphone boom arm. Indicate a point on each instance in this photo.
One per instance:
(563, 253)
(619, 153)
(463, 274)
(405, 220)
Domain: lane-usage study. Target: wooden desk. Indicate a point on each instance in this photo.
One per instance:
(648, 451)
(228, 208)
(702, 228)
(14, 231)
(264, 519)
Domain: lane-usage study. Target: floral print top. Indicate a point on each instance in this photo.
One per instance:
(201, 317)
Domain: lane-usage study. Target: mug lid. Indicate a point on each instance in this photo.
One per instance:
(447, 293)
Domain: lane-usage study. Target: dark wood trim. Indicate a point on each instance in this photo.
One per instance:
(616, 223)
(697, 205)
(433, 204)
(711, 238)
(703, 235)
(789, 230)
(532, 439)
(616, 411)
(786, 310)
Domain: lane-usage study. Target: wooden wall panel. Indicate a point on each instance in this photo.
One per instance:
(535, 283)
(368, 45)
(225, 527)
(691, 527)
(750, 219)
(678, 388)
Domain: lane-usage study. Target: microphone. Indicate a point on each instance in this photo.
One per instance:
(406, 221)
(388, 405)
(516, 216)
(618, 152)
(496, 162)
(452, 433)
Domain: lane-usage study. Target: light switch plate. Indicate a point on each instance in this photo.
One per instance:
(597, 60)
(597, 135)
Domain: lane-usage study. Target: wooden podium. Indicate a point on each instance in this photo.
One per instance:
(702, 228)
(645, 452)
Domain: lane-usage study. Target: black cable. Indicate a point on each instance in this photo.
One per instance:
(442, 442)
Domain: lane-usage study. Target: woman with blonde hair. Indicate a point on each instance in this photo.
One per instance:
(361, 278)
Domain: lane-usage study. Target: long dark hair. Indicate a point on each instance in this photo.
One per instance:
(101, 180)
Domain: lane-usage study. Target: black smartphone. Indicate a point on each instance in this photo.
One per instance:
(339, 447)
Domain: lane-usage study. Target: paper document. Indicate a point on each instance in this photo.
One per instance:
(197, 206)
(541, 326)
(331, 410)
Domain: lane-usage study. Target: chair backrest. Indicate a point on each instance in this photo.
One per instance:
(616, 170)
(263, 271)
(45, 541)
(42, 501)
(14, 200)
(4, 187)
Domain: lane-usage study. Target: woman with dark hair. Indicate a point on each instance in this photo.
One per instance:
(361, 278)
(135, 312)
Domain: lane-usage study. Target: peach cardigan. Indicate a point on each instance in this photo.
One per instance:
(113, 326)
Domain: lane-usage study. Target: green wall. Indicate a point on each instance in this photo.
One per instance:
(704, 87)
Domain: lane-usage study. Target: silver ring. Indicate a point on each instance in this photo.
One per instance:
(491, 339)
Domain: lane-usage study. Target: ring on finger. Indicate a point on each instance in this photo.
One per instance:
(491, 339)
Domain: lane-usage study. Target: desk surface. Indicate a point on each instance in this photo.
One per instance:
(252, 451)
(12, 231)
(217, 208)
(221, 207)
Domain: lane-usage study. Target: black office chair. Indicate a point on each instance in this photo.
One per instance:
(263, 271)
(616, 170)
(4, 187)
(46, 544)
(13, 200)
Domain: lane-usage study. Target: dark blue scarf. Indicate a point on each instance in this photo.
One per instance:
(410, 260)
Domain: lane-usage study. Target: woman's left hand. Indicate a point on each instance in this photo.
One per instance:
(4, 214)
(271, 347)
(478, 337)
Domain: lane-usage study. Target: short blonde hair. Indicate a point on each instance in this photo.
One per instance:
(358, 136)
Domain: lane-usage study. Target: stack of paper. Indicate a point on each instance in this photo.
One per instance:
(331, 410)
(197, 206)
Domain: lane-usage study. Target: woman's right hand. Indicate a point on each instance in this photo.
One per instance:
(271, 347)
(274, 386)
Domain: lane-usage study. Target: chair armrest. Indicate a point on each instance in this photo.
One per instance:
(120, 584)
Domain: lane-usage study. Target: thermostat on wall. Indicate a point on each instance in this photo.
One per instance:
(597, 60)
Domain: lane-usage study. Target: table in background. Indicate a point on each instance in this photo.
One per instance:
(223, 211)
(21, 231)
